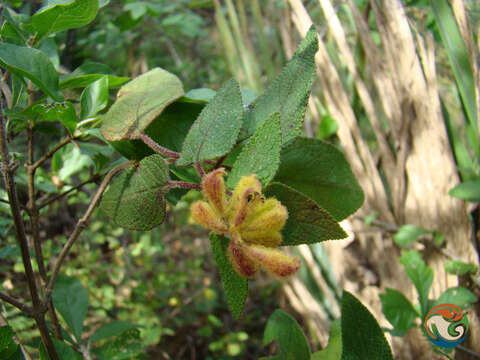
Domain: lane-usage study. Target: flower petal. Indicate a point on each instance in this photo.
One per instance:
(264, 217)
(214, 189)
(240, 262)
(247, 189)
(206, 217)
(267, 238)
(273, 261)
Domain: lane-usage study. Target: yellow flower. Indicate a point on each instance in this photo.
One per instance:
(253, 222)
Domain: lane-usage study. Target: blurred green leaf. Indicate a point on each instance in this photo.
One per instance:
(89, 72)
(328, 127)
(70, 161)
(111, 329)
(137, 9)
(235, 286)
(139, 102)
(216, 129)
(459, 60)
(8, 347)
(288, 93)
(260, 155)
(408, 234)
(125, 346)
(457, 267)
(321, 172)
(333, 351)
(468, 190)
(456, 295)
(307, 222)
(398, 311)
(134, 199)
(71, 300)
(60, 16)
(362, 337)
(32, 64)
(284, 329)
(64, 351)
(94, 98)
(420, 275)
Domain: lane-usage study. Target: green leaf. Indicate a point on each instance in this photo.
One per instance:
(307, 222)
(362, 337)
(60, 16)
(202, 94)
(71, 300)
(61, 112)
(216, 129)
(111, 329)
(284, 329)
(64, 351)
(32, 64)
(321, 172)
(398, 311)
(94, 98)
(134, 199)
(235, 286)
(8, 347)
(260, 155)
(420, 275)
(139, 102)
(468, 190)
(333, 351)
(125, 346)
(288, 94)
(70, 161)
(456, 295)
(89, 72)
(408, 234)
(459, 60)
(459, 268)
(328, 127)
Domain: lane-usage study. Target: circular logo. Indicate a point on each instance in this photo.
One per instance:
(446, 325)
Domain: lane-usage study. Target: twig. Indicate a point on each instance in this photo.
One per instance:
(76, 187)
(468, 351)
(18, 304)
(199, 169)
(38, 308)
(50, 153)
(147, 140)
(81, 225)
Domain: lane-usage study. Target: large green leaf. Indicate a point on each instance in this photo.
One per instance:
(94, 98)
(333, 351)
(307, 222)
(62, 15)
(62, 112)
(139, 102)
(459, 60)
(71, 300)
(321, 172)
(288, 94)
(235, 286)
(260, 155)
(398, 310)
(32, 64)
(420, 274)
(134, 199)
(292, 343)
(362, 337)
(216, 129)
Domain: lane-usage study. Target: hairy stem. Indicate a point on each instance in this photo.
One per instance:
(147, 140)
(184, 185)
(81, 225)
(38, 308)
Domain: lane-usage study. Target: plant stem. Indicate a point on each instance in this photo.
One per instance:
(184, 185)
(50, 153)
(76, 187)
(147, 140)
(18, 304)
(81, 225)
(38, 308)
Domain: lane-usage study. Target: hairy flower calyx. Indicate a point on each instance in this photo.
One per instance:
(252, 221)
